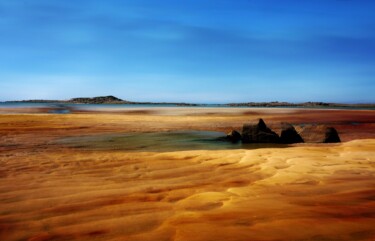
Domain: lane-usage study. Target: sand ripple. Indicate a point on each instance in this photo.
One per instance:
(298, 193)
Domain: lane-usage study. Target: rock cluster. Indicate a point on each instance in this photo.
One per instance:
(260, 133)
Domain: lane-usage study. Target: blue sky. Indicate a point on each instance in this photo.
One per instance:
(200, 51)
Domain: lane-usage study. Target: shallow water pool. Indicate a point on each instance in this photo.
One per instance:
(157, 141)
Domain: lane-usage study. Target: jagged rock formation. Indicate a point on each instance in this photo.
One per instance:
(234, 136)
(289, 135)
(259, 133)
(331, 136)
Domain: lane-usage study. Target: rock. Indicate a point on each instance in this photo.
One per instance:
(259, 133)
(331, 135)
(313, 133)
(234, 136)
(319, 134)
(289, 134)
(262, 125)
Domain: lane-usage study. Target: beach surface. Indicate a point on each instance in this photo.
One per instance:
(70, 177)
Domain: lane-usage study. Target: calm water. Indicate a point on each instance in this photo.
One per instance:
(58, 108)
(68, 108)
(157, 142)
(95, 106)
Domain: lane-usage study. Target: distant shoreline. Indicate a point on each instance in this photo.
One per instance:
(115, 100)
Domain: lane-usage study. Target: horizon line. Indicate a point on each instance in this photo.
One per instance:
(187, 102)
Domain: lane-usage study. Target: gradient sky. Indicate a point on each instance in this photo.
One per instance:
(198, 51)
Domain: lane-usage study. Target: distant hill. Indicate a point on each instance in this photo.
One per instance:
(110, 99)
(305, 104)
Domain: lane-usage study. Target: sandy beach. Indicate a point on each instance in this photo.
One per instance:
(53, 191)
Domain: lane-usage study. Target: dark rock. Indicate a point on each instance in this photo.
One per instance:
(289, 135)
(234, 136)
(262, 125)
(331, 136)
(259, 133)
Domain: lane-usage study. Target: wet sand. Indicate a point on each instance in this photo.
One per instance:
(53, 191)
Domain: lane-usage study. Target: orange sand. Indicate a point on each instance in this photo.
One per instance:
(304, 192)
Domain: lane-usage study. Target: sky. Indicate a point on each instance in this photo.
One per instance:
(198, 51)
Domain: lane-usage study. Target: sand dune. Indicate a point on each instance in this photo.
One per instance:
(53, 192)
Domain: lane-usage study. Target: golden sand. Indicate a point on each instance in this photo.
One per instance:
(52, 192)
